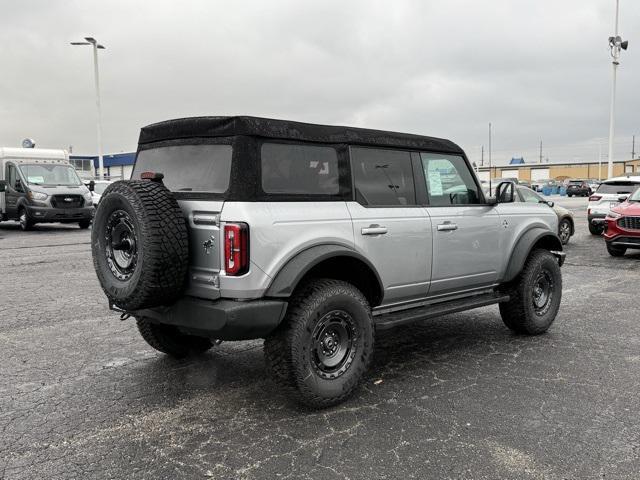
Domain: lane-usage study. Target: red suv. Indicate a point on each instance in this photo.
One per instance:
(622, 226)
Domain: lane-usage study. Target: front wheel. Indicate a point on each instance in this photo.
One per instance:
(535, 295)
(564, 231)
(323, 347)
(84, 224)
(26, 223)
(616, 251)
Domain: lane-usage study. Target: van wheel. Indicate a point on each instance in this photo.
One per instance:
(168, 339)
(323, 347)
(535, 295)
(26, 223)
(616, 251)
(84, 224)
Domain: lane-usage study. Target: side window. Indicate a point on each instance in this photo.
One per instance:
(383, 177)
(11, 175)
(299, 169)
(529, 196)
(449, 180)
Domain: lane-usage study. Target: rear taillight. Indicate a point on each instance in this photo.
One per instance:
(236, 248)
(594, 198)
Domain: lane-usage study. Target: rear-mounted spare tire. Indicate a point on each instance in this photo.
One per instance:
(140, 245)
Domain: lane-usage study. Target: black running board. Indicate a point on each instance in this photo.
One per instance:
(404, 317)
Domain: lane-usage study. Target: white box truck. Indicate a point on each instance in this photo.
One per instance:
(39, 185)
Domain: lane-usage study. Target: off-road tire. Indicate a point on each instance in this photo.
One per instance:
(84, 224)
(519, 313)
(168, 339)
(616, 251)
(290, 351)
(595, 229)
(26, 222)
(161, 244)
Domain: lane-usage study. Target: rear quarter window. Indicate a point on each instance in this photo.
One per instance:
(188, 168)
(299, 169)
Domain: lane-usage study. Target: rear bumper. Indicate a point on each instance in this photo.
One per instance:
(597, 218)
(220, 319)
(49, 214)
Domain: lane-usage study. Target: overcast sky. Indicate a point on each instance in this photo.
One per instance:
(537, 69)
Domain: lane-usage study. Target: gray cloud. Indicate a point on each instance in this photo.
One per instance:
(536, 69)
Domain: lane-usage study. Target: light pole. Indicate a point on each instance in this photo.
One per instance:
(616, 45)
(92, 41)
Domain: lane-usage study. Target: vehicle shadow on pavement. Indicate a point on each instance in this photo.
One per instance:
(421, 350)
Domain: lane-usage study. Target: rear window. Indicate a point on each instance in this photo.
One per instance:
(188, 168)
(617, 187)
(299, 169)
(576, 182)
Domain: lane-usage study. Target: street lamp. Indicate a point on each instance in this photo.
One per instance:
(96, 46)
(616, 45)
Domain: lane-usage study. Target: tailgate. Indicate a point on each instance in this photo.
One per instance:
(203, 218)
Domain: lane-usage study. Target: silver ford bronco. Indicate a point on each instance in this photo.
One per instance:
(314, 237)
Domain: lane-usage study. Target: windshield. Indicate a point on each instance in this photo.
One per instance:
(617, 187)
(188, 168)
(51, 174)
(636, 196)
(99, 188)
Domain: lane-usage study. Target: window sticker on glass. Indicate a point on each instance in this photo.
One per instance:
(435, 183)
(32, 179)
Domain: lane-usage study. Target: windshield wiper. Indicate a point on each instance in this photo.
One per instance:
(185, 189)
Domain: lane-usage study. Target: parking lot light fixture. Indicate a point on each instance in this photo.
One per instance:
(616, 45)
(96, 46)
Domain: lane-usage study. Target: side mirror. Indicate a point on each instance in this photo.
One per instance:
(550, 203)
(3, 186)
(623, 198)
(92, 186)
(505, 192)
(491, 200)
(18, 186)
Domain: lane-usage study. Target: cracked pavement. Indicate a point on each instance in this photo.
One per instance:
(82, 395)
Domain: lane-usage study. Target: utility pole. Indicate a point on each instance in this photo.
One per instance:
(616, 45)
(540, 151)
(490, 174)
(633, 147)
(599, 160)
(482, 156)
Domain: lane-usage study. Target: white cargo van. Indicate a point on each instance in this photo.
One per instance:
(39, 186)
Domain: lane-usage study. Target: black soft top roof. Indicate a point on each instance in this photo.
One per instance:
(203, 127)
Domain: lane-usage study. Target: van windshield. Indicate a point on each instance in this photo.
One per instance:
(51, 175)
(188, 168)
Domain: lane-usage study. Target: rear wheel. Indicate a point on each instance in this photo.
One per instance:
(168, 339)
(616, 251)
(535, 295)
(595, 229)
(324, 345)
(26, 223)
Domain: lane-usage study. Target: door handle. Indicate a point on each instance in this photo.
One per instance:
(374, 230)
(447, 227)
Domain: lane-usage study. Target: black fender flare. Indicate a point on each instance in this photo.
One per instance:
(523, 248)
(21, 203)
(286, 280)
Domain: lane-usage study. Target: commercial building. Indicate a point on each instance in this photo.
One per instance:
(118, 166)
(559, 171)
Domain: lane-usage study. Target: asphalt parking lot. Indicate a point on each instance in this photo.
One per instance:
(82, 396)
